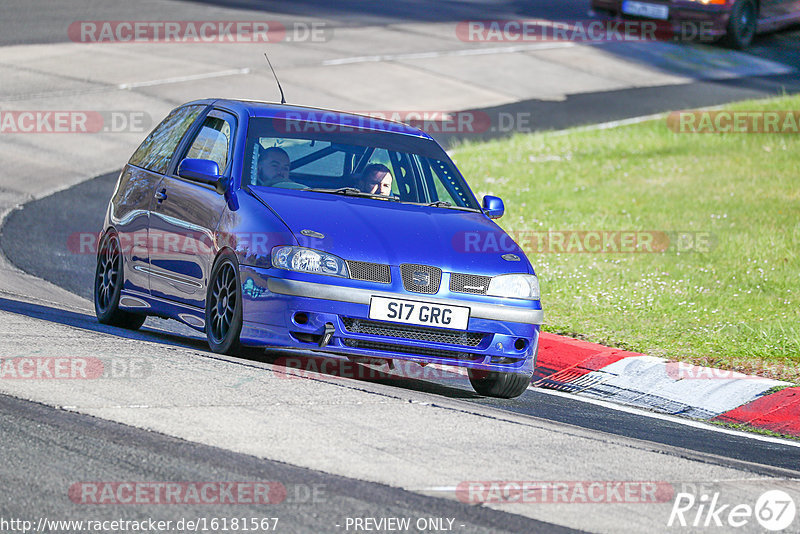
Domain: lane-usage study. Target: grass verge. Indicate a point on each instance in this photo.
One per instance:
(755, 430)
(724, 292)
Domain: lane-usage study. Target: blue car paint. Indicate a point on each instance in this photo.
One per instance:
(393, 233)
(375, 231)
(272, 318)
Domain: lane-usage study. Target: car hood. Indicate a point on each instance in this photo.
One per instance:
(378, 231)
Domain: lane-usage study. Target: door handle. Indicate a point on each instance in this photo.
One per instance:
(161, 196)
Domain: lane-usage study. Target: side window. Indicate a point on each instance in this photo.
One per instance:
(441, 184)
(156, 150)
(213, 141)
(405, 182)
(381, 155)
(442, 193)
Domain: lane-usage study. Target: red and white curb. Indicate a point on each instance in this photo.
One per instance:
(664, 386)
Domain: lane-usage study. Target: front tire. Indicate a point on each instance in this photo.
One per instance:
(742, 25)
(497, 384)
(108, 280)
(224, 306)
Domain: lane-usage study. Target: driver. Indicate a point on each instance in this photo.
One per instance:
(273, 166)
(377, 179)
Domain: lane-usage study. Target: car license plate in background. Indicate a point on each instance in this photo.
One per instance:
(643, 9)
(420, 313)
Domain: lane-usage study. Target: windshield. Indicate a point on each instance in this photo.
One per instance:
(380, 165)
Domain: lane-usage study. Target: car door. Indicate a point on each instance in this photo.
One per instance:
(133, 197)
(186, 214)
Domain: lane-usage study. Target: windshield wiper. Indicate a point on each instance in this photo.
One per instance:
(351, 191)
(341, 191)
(443, 204)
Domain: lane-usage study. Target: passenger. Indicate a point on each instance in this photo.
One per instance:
(273, 166)
(376, 179)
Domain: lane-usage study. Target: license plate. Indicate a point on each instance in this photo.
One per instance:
(643, 9)
(419, 313)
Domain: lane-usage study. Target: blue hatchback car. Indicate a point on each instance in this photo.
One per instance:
(270, 225)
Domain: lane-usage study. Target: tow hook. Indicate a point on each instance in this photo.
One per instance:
(327, 335)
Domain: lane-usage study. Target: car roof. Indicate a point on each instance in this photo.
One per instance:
(255, 108)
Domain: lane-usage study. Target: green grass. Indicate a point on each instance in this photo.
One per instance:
(735, 306)
(755, 430)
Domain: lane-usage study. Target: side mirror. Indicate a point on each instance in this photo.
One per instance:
(204, 171)
(493, 207)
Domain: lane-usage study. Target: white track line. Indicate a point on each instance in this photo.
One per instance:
(645, 413)
(671, 418)
(633, 120)
(180, 79)
(448, 53)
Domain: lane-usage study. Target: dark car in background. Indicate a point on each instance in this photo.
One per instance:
(736, 22)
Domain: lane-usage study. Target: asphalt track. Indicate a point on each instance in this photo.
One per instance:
(78, 448)
(41, 239)
(16, 27)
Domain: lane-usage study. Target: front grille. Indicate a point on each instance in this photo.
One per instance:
(417, 333)
(469, 283)
(421, 278)
(370, 272)
(417, 351)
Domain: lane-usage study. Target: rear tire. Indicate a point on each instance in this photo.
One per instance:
(742, 25)
(224, 306)
(108, 281)
(497, 384)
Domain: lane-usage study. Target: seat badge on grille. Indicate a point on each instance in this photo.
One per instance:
(421, 278)
(510, 257)
(312, 233)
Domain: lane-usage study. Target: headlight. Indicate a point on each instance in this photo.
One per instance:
(306, 260)
(515, 286)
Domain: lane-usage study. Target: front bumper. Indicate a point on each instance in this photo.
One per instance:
(292, 313)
